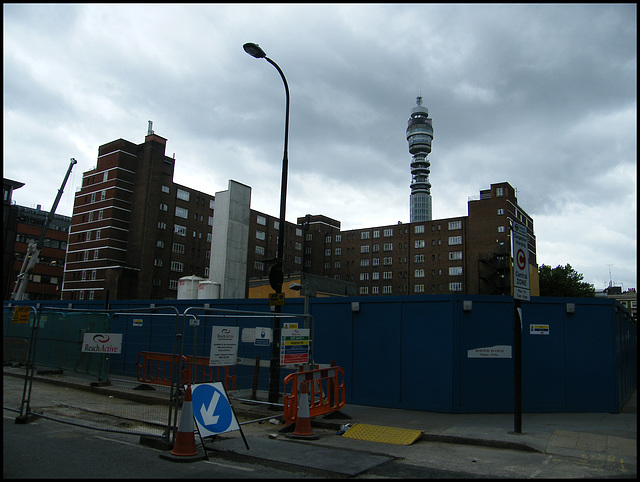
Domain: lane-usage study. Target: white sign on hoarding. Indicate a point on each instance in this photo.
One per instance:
(102, 343)
(224, 346)
(496, 351)
(520, 262)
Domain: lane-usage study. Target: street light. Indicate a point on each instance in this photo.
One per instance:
(276, 276)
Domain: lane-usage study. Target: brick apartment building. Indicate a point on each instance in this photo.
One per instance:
(21, 226)
(134, 233)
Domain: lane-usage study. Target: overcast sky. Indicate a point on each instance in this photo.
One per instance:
(541, 96)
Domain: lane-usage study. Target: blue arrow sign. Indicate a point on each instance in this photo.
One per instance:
(212, 410)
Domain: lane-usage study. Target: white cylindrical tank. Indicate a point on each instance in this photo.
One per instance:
(188, 287)
(208, 289)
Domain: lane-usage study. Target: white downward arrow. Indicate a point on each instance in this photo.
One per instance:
(207, 414)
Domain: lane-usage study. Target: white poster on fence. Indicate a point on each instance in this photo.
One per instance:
(102, 343)
(224, 346)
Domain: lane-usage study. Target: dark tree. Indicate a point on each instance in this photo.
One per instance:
(563, 281)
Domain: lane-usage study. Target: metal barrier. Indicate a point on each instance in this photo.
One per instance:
(157, 369)
(15, 350)
(326, 392)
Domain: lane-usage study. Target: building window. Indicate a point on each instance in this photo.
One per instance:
(259, 266)
(501, 229)
(387, 261)
(173, 284)
(177, 266)
(455, 271)
(177, 248)
(364, 249)
(455, 225)
(418, 258)
(364, 262)
(182, 212)
(327, 252)
(364, 235)
(455, 255)
(418, 288)
(338, 251)
(387, 247)
(157, 262)
(179, 230)
(338, 238)
(159, 244)
(182, 194)
(165, 189)
(86, 255)
(455, 240)
(500, 212)
(162, 225)
(260, 250)
(261, 220)
(387, 290)
(388, 232)
(418, 229)
(419, 273)
(387, 275)
(364, 276)
(376, 233)
(419, 243)
(96, 252)
(453, 286)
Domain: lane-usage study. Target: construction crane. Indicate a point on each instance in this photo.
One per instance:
(33, 251)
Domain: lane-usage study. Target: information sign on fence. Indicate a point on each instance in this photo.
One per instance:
(102, 343)
(21, 314)
(224, 346)
(262, 336)
(294, 346)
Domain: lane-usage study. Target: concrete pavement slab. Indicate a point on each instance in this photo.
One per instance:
(331, 459)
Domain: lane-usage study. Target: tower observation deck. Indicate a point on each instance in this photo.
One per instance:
(419, 137)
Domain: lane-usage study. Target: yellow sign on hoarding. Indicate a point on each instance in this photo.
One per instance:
(21, 314)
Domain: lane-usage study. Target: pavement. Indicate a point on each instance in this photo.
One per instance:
(588, 437)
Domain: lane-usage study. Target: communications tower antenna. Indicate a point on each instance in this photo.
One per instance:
(419, 137)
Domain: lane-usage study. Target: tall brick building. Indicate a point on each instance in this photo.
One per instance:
(134, 233)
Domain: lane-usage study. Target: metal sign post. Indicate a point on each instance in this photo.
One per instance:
(521, 292)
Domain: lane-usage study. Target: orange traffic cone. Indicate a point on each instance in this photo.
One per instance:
(303, 419)
(184, 448)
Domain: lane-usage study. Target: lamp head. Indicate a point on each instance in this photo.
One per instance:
(254, 50)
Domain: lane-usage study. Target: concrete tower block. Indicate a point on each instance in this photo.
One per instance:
(230, 240)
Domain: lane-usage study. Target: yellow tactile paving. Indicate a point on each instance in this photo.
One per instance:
(376, 433)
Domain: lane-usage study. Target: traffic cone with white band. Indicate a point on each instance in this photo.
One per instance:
(303, 419)
(184, 448)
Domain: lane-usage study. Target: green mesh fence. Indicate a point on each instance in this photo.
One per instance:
(59, 340)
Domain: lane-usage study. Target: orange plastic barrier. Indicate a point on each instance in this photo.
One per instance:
(157, 369)
(325, 387)
(204, 373)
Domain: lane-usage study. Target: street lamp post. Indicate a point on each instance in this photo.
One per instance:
(276, 276)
